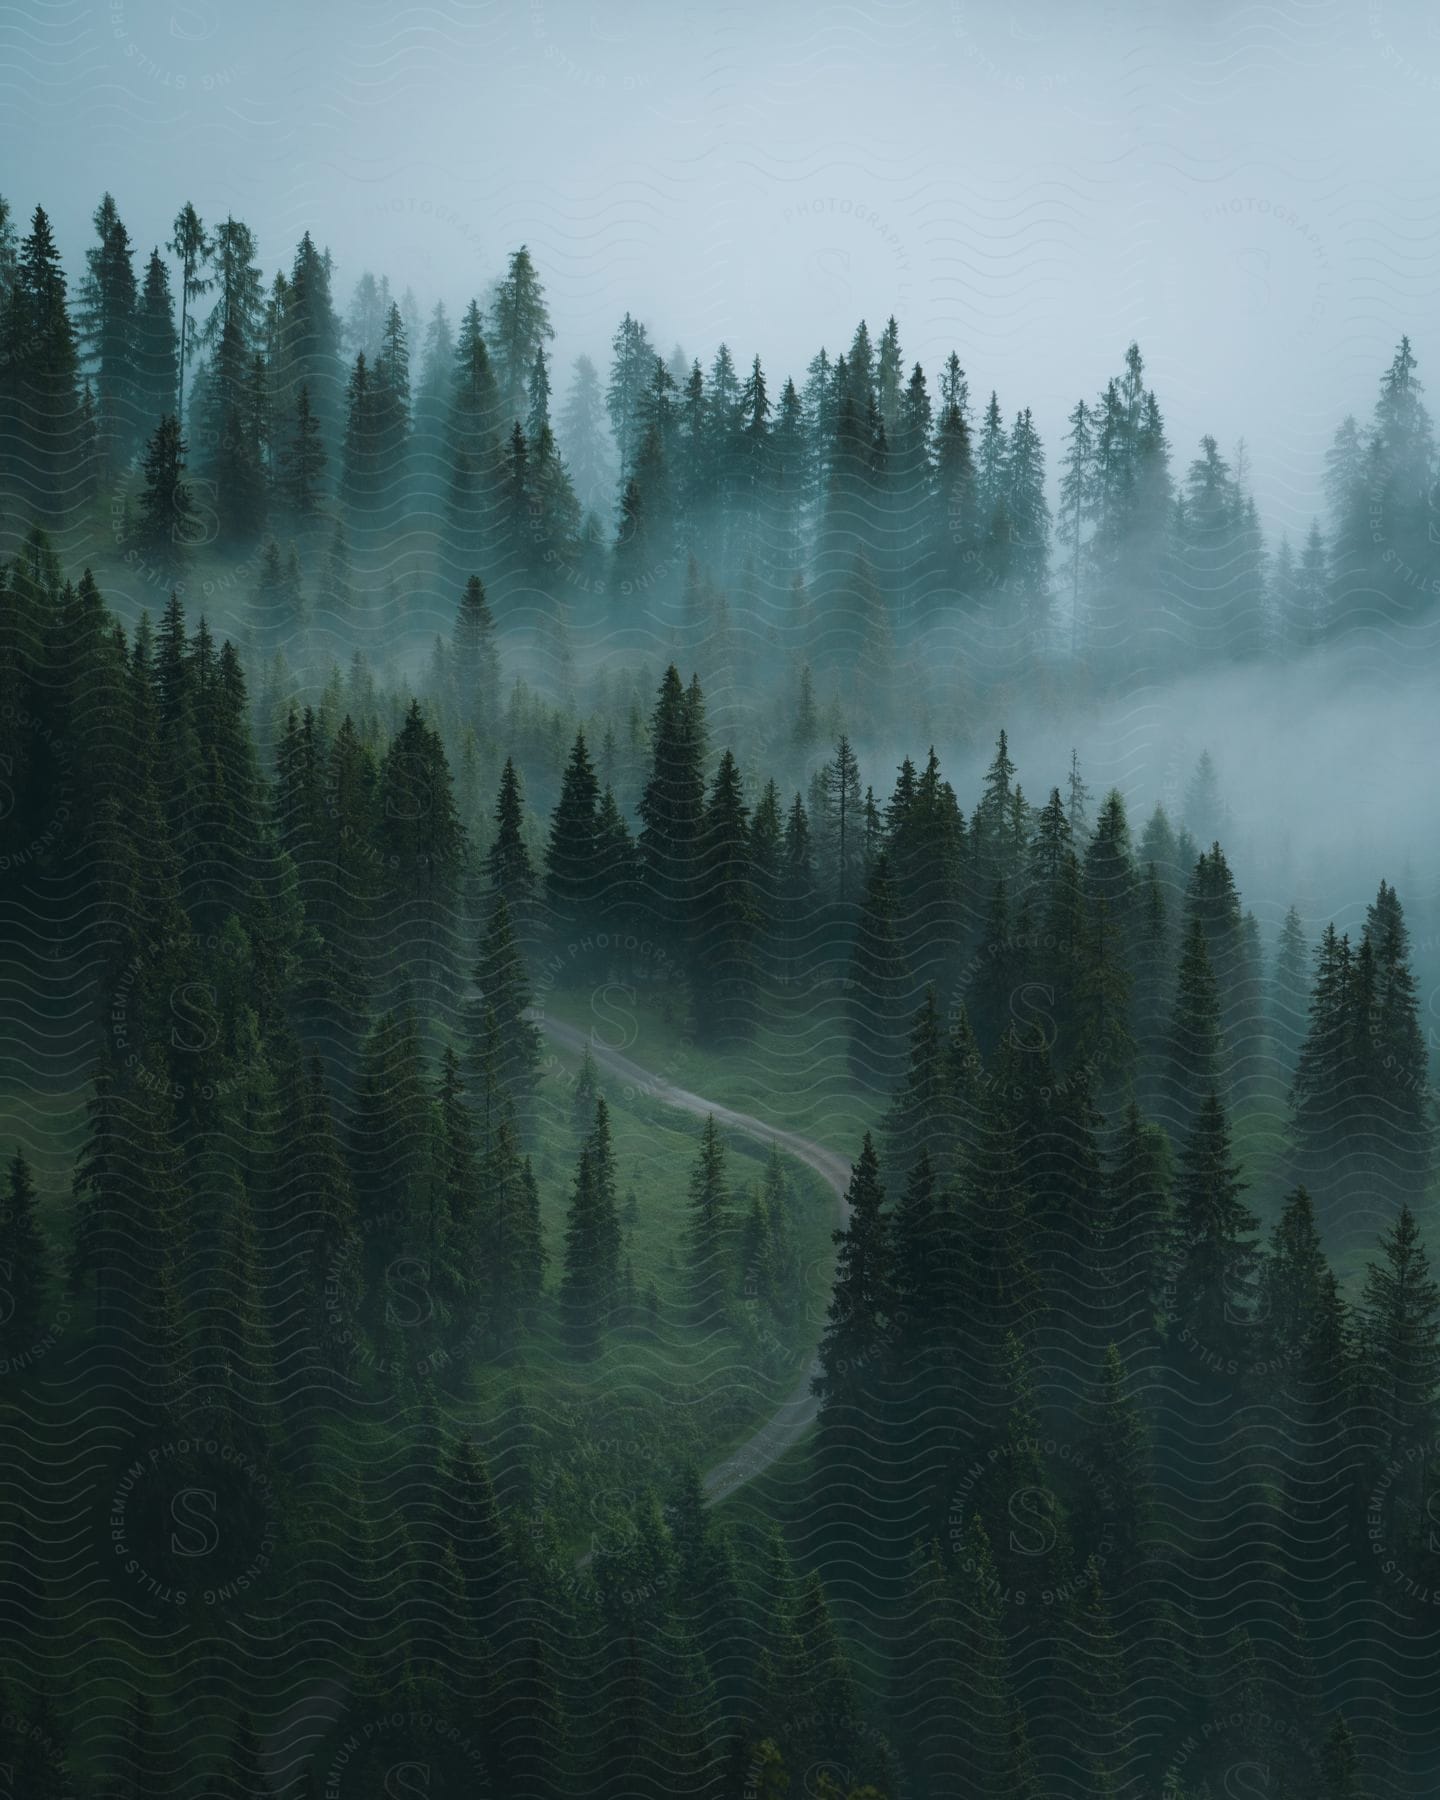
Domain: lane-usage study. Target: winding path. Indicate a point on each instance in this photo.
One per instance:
(299, 1731)
(793, 1417)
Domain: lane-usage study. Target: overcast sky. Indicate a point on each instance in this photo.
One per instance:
(1249, 190)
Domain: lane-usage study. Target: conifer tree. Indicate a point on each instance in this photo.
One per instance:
(303, 459)
(881, 987)
(1289, 991)
(24, 1267)
(108, 318)
(584, 1299)
(727, 916)
(672, 806)
(502, 1037)
(1401, 1333)
(709, 1227)
(1116, 1521)
(420, 831)
(1341, 1764)
(165, 530)
(41, 372)
(508, 866)
(852, 1352)
(157, 350)
(190, 243)
(1193, 1060)
(842, 817)
(571, 872)
(1216, 1258)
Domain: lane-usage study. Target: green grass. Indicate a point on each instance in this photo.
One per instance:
(793, 1074)
(660, 1393)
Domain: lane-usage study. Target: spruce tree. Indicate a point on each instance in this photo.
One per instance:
(24, 1266)
(191, 244)
(708, 1229)
(508, 866)
(41, 372)
(727, 917)
(1193, 1060)
(1211, 1295)
(166, 529)
(881, 987)
(852, 1353)
(503, 1039)
(672, 806)
(1400, 1322)
(585, 1288)
(157, 349)
(571, 875)
(303, 459)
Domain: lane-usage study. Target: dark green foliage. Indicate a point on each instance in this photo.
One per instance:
(25, 1267)
(854, 1350)
(672, 807)
(504, 1043)
(727, 916)
(1211, 1290)
(882, 989)
(571, 869)
(707, 1245)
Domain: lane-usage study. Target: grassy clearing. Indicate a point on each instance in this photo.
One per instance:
(661, 1392)
(793, 1074)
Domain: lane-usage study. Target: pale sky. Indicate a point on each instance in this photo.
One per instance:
(1250, 190)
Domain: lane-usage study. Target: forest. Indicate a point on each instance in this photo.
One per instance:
(599, 1200)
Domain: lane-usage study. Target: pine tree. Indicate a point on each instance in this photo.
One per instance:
(471, 451)
(520, 330)
(727, 916)
(853, 1351)
(708, 1231)
(1289, 992)
(192, 246)
(41, 372)
(584, 1301)
(841, 787)
(1115, 1524)
(303, 459)
(504, 1043)
(672, 806)
(571, 871)
(1341, 1764)
(630, 373)
(1132, 1242)
(582, 436)
(881, 987)
(476, 661)
(1401, 1333)
(1396, 1099)
(420, 831)
(234, 417)
(167, 526)
(108, 317)
(1193, 1062)
(157, 350)
(1077, 501)
(1211, 1296)
(508, 866)
(24, 1267)
(242, 1775)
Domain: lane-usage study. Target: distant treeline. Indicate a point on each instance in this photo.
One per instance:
(204, 411)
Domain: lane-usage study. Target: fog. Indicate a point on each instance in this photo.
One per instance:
(1245, 190)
